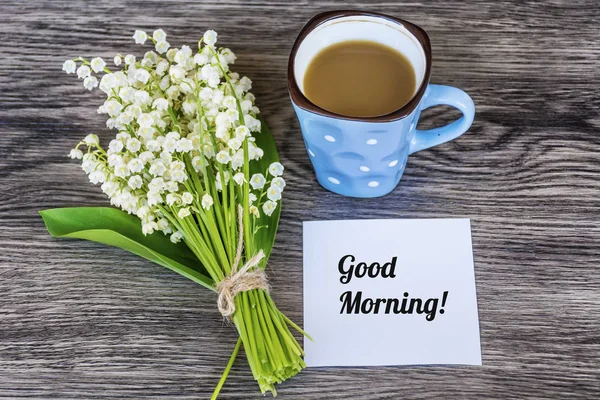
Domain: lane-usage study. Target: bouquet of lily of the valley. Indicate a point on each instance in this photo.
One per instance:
(196, 175)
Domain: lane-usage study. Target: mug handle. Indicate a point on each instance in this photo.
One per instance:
(437, 95)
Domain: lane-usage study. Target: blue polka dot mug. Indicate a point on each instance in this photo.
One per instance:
(366, 156)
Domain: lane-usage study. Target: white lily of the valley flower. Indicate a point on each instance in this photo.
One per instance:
(97, 64)
(160, 104)
(108, 82)
(172, 187)
(126, 94)
(157, 168)
(98, 176)
(205, 94)
(159, 35)
(176, 72)
(171, 199)
(91, 140)
(135, 182)
(169, 145)
(187, 198)
(117, 60)
(245, 83)
(221, 132)
(161, 67)
(229, 102)
(171, 54)
(252, 123)
(114, 159)
(148, 229)
(210, 38)
(90, 82)
(246, 106)
(200, 59)
(129, 59)
(257, 181)
(145, 120)
(208, 150)
(182, 55)
(269, 207)
(164, 226)
(197, 163)
(241, 132)
(153, 145)
(156, 185)
(228, 56)
(187, 85)
(239, 178)
(122, 136)
(121, 171)
(142, 98)
(276, 169)
(234, 144)
(154, 198)
(254, 152)
(113, 107)
(254, 211)
(218, 96)
(189, 107)
(223, 120)
(88, 166)
(184, 145)
(207, 201)
(162, 47)
(140, 37)
(274, 193)
(76, 154)
(173, 135)
(214, 80)
(133, 145)
(172, 92)
(176, 237)
(206, 72)
(121, 78)
(142, 75)
(146, 156)
(83, 72)
(151, 57)
(134, 110)
(143, 212)
(279, 182)
(178, 176)
(252, 198)
(69, 66)
(223, 157)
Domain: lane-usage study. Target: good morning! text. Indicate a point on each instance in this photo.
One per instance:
(354, 303)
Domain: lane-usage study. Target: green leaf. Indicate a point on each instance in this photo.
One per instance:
(265, 237)
(117, 228)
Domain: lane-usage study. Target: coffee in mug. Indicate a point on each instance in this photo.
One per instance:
(360, 78)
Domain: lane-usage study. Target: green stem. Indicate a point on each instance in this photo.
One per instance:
(227, 369)
(174, 119)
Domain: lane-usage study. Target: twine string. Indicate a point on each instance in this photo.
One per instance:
(243, 279)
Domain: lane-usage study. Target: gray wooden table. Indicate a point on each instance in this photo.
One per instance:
(81, 320)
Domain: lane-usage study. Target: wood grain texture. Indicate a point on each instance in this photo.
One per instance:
(83, 321)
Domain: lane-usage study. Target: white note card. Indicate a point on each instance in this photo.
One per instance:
(390, 292)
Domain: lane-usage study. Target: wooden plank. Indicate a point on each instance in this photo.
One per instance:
(80, 320)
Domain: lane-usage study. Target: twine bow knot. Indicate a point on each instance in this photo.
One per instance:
(241, 280)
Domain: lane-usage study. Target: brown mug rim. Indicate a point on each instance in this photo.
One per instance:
(303, 102)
